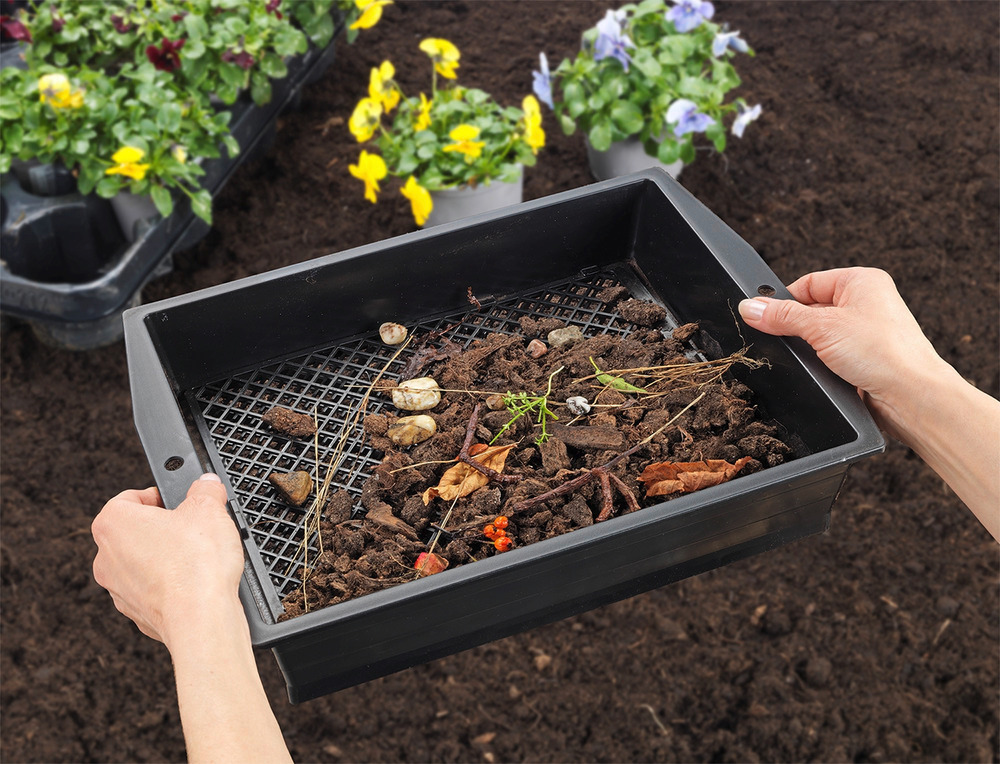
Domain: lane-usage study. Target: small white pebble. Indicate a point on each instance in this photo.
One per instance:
(392, 334)
(417, 394)
(578, 405)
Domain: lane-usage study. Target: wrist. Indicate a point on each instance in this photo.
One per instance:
(189, 626)
(918, 396)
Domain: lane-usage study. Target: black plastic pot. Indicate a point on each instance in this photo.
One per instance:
(69, 275)
(205, 366)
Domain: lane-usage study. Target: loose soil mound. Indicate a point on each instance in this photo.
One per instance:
(874, 642)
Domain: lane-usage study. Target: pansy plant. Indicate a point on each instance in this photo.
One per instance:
(131, 94)
(452, 136)
(655, 70)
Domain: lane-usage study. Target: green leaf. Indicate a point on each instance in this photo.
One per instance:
(427, 150)
(627, 117)
(5, 160)
(567, 124)
(80, 146)
(13, 136)
(194, 48)
(168, 118)
(232, 145)
(163, 200)
(108, 187)
(196, 27)
(201, 205)
(273, 66)
(231, 74)
(321, 30)
(647, 64)
(260, 88)
(600, 136)
(669, 151)
(687, 152)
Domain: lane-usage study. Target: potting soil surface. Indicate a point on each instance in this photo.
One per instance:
(877, 641)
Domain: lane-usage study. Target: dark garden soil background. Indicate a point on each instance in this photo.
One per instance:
(875, 642)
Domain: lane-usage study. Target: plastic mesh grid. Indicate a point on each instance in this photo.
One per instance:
(330, 383)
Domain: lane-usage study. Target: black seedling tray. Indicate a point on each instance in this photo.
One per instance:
(204, 367)
(66, 265)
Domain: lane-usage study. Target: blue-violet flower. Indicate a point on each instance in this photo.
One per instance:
(542, 82)
(611, 40)
(744, 118)
(725, 40)
(689, 120)
(688, 14)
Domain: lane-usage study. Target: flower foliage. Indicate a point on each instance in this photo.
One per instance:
(131, 94)
(654, 70)
(456, 136)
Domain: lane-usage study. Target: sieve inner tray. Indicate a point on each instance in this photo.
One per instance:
(331, 382)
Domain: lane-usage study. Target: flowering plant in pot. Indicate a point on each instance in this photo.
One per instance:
(653, 75)
(457, 140)
(130, 96)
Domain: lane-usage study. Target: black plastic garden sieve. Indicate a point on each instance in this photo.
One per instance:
(204, 367)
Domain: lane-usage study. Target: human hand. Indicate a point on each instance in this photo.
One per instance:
(860, 328)
(164, 567)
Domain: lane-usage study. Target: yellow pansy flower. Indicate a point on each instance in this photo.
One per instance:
(371, 12)
(420, 200)
(179, 153)
(444, 55)
(54, 89)
(534, 136)
(365, 119)
(126, 161)
(464, 137)
(424, 115)
(381, 87)
(370, 169)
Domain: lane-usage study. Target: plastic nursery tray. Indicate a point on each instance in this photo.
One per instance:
(66, 266)
(205, 366)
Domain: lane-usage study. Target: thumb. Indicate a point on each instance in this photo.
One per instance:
(781, 317)
(207, 491)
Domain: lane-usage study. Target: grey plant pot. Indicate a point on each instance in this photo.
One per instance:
(456, 203)
(624, 158)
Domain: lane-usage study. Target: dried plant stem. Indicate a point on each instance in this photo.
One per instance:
(336, 459)
(463, 455)
(608, 481)
(693, 373)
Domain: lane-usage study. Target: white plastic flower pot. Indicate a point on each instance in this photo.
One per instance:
(624, 158)
(456, 203)
(132, 211)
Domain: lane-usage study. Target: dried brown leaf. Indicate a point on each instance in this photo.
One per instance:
(461, 480)
(665, 478)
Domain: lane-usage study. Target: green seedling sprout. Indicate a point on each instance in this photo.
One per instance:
(520, 404)
(616, 383)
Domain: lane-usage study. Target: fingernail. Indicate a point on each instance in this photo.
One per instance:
(212, 477)
(752, 310)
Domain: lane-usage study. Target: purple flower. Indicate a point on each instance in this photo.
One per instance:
(611, 40)
(121, 26)
(688, 14)
(272, 7)
(689, 120)
(167, 57)
(242, 59)
(542, 82)
(725, 40)
(57, 22)
(12, 29)
(745, 117)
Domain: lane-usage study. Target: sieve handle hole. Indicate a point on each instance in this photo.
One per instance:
(173, 463)
(766, 290)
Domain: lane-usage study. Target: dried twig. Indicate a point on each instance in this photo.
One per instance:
(463, 455)
(609, 482)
